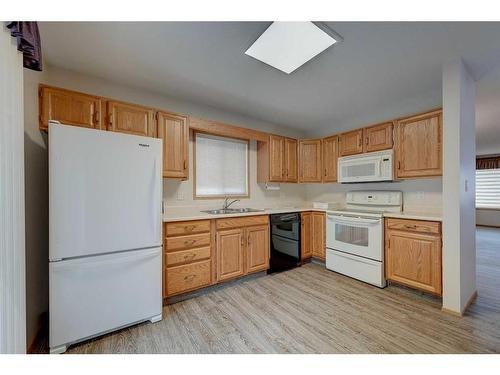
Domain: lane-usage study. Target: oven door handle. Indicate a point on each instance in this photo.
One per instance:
(353, 221)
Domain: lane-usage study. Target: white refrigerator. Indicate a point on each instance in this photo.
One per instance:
(105, 215)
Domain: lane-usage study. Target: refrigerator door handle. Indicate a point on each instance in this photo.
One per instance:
(156, 221)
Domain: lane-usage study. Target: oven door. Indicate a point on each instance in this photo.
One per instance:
(355, 235)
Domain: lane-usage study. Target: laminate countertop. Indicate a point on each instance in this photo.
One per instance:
(172, 214)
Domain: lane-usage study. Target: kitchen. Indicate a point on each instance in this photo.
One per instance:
(250, 217)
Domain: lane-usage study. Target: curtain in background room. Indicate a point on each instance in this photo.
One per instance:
(28, 42)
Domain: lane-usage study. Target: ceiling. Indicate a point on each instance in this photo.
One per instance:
(377, 67)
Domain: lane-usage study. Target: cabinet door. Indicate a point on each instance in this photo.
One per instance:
(290, 160)
(418, 146)
(174, 131)
(310, 160)
(130, 119)
(378, 137)
(276, 152)
(414, 259)
(257, 248)
(318, 235)
(330, 157)
(69, 107)
(306, 227)
(230, 254)
(351, 143)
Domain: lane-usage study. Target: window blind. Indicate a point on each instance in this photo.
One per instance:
(221, 166)
(488, 188)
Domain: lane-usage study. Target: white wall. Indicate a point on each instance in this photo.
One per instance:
(12, 245)
(459, 153)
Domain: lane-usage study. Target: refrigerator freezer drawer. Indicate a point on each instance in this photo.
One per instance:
(367, 270)
(90, 296)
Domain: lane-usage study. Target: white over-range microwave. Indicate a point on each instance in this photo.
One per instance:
(369, 167)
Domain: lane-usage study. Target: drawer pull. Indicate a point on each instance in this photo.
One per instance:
(187, 256)
(190, 228)
(190, 242)
(189, 277)
(410, 226)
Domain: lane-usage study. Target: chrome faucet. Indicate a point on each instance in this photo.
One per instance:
(226, 203)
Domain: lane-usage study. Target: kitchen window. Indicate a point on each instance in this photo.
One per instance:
(488, 188)
(221, 166)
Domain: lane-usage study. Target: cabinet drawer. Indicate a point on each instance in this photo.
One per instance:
(237, 222)
(186, 256)
(188, 277)
(187, 242)
(186, 227)
(414, 225)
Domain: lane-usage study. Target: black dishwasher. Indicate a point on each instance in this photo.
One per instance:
(285, 242)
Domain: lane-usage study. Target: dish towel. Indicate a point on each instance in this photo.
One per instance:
(28, 42)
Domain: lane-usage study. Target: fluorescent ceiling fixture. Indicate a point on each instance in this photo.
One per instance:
(289, 45)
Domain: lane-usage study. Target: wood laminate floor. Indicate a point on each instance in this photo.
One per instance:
(312, 310)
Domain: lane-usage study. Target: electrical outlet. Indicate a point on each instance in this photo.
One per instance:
(180, 196)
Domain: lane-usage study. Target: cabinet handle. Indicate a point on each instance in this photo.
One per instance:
(367, 141)
(410, 226)
(360, 141)
(242, 241)
(185, 164)
(248, 240)
(325, 172)
(96, 117)
(189, 277)
(187, 256)
(399, 165)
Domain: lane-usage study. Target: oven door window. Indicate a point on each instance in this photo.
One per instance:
(353, 235)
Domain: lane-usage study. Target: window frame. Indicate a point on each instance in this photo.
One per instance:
(485, 208)
(220, 196)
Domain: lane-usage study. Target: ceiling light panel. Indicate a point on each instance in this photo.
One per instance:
(288, 45)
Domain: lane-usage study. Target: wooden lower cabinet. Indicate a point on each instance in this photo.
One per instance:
(242, 246)
(201, 253)
(257, 248)
(413, 254)
(305, 235)
(188, 277)
(313, 235)
(318, 235)
(230, 253)
(187, 256)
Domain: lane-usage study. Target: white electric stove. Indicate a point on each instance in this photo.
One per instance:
(355, 235)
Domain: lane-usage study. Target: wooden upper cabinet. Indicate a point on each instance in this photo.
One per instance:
(306, 226)
(290, 160)
(330, 150)
(174, 130)
(276, 153)
(378, 137)
(130, 119)
(257, 248)
(318, 235)
(69, 107)
(230, 253)
(414, 259)
(418, 146)
(351, 143)
(310, 160)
